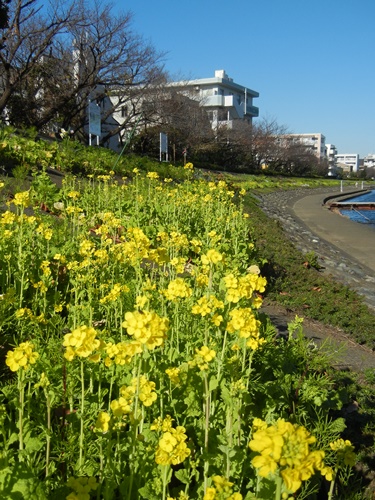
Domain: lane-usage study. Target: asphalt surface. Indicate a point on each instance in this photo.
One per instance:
(354, 239)
(345, 250)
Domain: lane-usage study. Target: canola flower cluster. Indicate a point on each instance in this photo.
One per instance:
(22, 357)
(146, 393)
(239, 287)
(146, 327)
(344, 450)
(285, 448)
(206, 305)
(172, 448)
(203, 357)
(177, 289)
(244, 322)
(82, 487)
(81, 342)
(222, 490)
(121, 353)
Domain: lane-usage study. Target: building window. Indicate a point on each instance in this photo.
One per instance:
(124, 111)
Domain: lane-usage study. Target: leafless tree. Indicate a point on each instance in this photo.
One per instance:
(57, 59)
(175, 113)
(28, 35)
(4, 13)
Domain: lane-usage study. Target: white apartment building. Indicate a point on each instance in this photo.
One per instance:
(316, 143)
(348, 161)
(224, 100)
(331, 152)
(369, 161)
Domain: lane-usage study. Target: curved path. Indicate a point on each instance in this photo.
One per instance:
(354, 239)
(345, 248)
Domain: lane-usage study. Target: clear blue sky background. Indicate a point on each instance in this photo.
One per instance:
(312, 62)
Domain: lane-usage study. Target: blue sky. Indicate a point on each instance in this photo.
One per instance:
(312, 62)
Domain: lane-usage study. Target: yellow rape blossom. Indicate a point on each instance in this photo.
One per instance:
(210, 494)
(8, 217)
(74, 195)
(243, 286)
(173, 374)
(141, 301)
(21, 357)
(344, 451)
(121, 353)
(244, 322)
(211, 257)
(164, 425)
(146, 394)
(152, 175)
(82, 487)
(114, 294)
(102, 422)
(177, 288)
(172, 448)
(206, 305)
(146, 327)
(22, 199)
(285, 447)
(80, 342)
(202, 357)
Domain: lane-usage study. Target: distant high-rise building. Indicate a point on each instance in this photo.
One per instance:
(313, 142)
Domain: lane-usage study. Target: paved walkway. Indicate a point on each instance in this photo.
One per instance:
(354, 239)
(345, 249)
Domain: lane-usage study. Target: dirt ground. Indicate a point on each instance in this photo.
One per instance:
(344, 352)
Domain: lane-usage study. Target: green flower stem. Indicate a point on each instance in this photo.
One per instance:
(21, 390)
(48, 439)
(332, 486)
(244, 357)
(81, 435)
(177, 318)
(230, 438)
(110, 389)
(221, 360)
(20, 259)
(206, 410)
(279, 483)
(135, 430)
(107, 494)
(249, 370)
(165, 472)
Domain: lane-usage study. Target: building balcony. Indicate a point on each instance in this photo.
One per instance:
(252, 110)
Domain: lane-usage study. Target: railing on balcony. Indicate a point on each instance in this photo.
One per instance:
(252, 110)
(230, 101)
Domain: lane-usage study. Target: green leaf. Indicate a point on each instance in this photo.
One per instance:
(33, 444)
(19, 483)
(148, 492)
(212, 384)
(183, 476)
